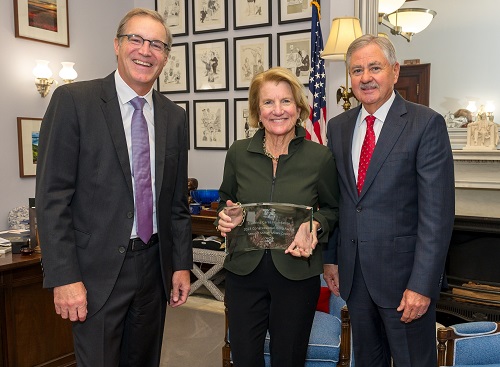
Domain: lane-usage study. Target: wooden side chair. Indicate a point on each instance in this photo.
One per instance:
(469, 344)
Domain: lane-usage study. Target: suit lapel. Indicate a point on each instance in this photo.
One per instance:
(347, 133)
(161, 118)
(113, 116)
(393, 126)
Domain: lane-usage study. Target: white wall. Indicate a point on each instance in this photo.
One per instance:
(92, 26)
(461, 45)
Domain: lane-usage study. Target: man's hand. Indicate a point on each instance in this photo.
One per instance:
(181, 285)
(70, 301)
(414, 305)
(331, 277)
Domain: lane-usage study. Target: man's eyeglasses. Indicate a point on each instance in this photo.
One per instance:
(137, 41)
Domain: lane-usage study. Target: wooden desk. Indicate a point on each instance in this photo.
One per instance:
(203, 225)
(31, 333)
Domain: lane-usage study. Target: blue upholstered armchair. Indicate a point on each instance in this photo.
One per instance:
(329, 342)
(469, 344)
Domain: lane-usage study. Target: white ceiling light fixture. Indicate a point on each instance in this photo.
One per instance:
(404, 22)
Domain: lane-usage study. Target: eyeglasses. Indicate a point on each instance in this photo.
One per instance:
(137, 41)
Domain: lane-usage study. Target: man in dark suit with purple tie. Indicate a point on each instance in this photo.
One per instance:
(116, 233)
(395, 169)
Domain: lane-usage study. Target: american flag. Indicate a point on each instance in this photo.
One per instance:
(316, 124)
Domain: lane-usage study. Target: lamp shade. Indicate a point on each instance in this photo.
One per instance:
(389, 6)
(42, 70)
(342, 33)
(412, 20)
(68, 73)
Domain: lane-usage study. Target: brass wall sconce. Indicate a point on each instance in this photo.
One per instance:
(43, 75)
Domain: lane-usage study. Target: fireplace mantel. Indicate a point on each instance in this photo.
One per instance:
(477, 183)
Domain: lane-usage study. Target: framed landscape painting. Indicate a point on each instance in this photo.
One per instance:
(28, 132)
(42, 20)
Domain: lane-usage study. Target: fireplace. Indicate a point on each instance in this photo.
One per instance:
(473, 256)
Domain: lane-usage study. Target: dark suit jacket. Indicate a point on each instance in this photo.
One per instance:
(402, 221)
(84, 197)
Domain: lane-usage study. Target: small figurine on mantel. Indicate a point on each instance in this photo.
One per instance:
(482, 134)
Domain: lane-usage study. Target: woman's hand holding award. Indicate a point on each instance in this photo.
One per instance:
(273, 226)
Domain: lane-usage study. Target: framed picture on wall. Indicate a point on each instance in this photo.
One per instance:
(175, 14)
(210, 65)
(175, 75)
(211, 124)
(43, 21)
(241, 118)
(28, 132)
(185, 106)
(252, 55)
(294, 53)
(209, 16)
(291, 11)
(249, 14)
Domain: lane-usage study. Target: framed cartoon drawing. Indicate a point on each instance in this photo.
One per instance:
(175, 75)
(175, 14)
(294, 53)
(291, 11)
(252, 55)
(241, 117)
(249, 14)
(210, 66)
(209, 16)
(211, 124)
(185, 106)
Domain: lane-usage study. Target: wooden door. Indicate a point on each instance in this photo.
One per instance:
(414, 83)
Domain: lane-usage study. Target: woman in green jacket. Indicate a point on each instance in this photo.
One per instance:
(276, 290)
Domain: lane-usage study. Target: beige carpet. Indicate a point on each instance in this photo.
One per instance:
(194, 333)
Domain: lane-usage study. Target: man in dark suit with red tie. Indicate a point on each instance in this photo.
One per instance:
(396, 179)
(111, 201)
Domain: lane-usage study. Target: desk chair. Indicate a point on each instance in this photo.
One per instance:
(329, 343)
(469, 344)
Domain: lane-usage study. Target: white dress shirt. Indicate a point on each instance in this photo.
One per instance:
(125, 95)
(360, 130)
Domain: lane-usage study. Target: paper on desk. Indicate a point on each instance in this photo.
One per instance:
(4, 242)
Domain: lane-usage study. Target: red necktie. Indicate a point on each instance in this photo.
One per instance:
(366, 151)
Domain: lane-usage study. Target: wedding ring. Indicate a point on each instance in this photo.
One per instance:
(419, 314)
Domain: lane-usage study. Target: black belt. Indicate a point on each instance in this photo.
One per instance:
(136, 244)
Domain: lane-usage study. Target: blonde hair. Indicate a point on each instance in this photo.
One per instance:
(148, 13)
(277, 74)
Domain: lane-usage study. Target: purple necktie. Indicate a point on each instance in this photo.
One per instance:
(141, 165)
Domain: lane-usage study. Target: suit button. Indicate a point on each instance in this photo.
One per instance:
(122, 249)
(130, 215)
(358, 209)
(353, 241)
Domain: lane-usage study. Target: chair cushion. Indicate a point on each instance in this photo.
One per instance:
(475, 328)
(476, 365)
(323, 304)
(324, 341)
(478, 350)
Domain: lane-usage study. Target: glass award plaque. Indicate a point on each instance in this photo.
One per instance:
(265, 225)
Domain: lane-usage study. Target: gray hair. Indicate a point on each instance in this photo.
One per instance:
(148, 13)
(384, 43)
